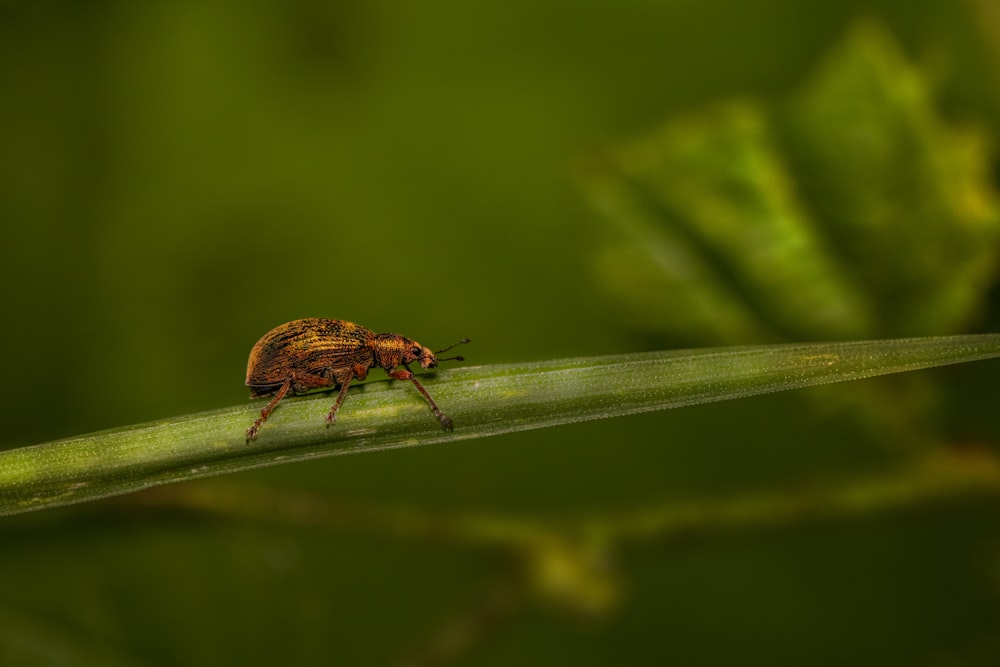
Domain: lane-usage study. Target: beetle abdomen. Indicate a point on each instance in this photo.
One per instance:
(313, 346)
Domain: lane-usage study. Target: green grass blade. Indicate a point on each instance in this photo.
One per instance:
(484, 401)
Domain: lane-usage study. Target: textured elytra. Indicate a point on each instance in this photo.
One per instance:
(315, 353)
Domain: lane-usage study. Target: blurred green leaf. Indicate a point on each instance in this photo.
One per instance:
(852, 209)
(486, 400)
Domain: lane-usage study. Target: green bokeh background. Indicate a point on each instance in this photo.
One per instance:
(178, 177)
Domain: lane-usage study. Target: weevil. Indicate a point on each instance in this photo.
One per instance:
(309, 354)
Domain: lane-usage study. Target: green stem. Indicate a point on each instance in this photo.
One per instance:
(484, 401)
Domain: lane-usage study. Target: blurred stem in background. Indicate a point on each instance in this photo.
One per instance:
(569, 563)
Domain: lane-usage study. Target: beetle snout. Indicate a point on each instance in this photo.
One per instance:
(427, 359)
(417, 353)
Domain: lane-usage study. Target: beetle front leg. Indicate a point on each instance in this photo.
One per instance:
(446, 422)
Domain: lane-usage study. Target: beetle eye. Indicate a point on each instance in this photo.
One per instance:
(415, 351)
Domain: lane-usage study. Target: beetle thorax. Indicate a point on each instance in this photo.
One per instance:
(392, 350)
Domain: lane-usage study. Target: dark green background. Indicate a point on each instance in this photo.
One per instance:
(178, 177)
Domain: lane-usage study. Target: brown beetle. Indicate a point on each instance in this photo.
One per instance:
(313, 353)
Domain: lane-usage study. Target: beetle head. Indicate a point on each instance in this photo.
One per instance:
(392, 350)
(414, 351)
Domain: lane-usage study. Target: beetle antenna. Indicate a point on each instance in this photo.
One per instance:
(445, 349)
(461, 342)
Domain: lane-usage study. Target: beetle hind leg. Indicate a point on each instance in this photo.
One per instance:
(266, 412)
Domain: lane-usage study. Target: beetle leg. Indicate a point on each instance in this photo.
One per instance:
(265, 413)
(332, 415)
(446, 422)
(305, 382)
